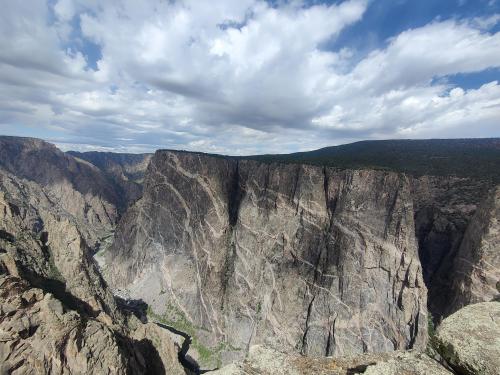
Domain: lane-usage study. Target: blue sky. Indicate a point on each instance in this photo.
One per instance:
(386, 18)
(249, 76)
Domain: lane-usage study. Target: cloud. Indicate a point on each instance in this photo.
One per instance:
(235, 77)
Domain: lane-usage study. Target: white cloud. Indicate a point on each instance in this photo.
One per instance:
(235, 76)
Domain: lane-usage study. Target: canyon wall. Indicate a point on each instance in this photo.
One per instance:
(476, 268)
(57, 314)
(302, 258)
(444, 208)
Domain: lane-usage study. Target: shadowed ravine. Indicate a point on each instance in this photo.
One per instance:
(186, 361)
(139, 309)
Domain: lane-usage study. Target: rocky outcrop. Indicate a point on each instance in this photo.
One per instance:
(126, 171)
(469, 340)
(265, 361)
(75, 187)
(46, 243)
(56, 313)
(303, 258)
(40, 335)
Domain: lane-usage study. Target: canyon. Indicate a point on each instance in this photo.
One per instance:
(244, 257)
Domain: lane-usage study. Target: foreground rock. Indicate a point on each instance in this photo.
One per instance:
(40, 335)
(301, 258)
(469, 340)
(265, 361)
(56, 313)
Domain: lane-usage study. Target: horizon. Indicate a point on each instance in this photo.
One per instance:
(248, 78)
(253, 155)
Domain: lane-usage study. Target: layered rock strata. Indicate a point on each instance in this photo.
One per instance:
(125, 171)
(467, 342)
(56, 313)
(303, 258)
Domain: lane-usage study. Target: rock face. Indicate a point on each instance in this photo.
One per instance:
(126, 171)
(477, 265)
(307, 259)
(265, 361)
(40, 335)
(444, 208)
(75, 187)
(469, 340)
(56, 313)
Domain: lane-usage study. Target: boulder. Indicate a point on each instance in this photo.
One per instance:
(469, 340)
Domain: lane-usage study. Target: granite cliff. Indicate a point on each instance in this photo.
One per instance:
(57, 314)
(308, 259)
(467, 342)
(124, 171)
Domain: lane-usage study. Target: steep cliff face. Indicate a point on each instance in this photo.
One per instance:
(476, 268)
(444, 208)
(56, 313)
(125, 171)
(309, 259)
(46, 244)
(73, 186)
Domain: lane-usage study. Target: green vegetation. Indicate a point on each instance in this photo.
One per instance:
(53, 272)
(474, 158)
(431, 331)
(175, 318)
(105, 243)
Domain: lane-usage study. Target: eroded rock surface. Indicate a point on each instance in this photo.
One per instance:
(56, 313)
(126, 171)
(469, 340)
(265, 361)
(303, 258)
(73, 186)
(476, 268)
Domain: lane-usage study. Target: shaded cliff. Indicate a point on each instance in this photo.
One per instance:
(476, 267)
(304, 258)
(444, 208)
(125, 171)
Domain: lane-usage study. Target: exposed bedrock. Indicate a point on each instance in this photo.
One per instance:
(57, 315)
(72, 186)
(301, 258)
(456, 223)
(476, 268)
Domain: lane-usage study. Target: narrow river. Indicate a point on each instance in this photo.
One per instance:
(186, 361)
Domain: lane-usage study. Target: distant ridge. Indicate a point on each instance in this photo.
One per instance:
(474, 158)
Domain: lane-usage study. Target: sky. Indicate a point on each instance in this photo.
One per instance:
(248, 76)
